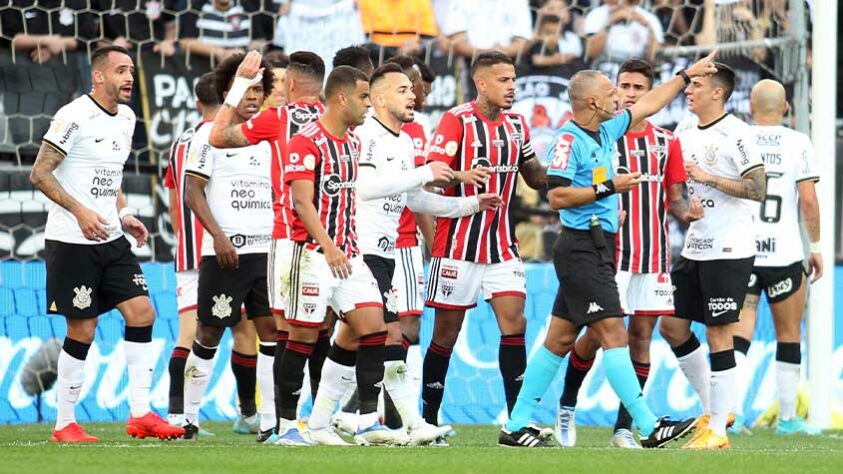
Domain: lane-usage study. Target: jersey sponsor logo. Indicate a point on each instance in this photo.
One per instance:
(250, 195)
(82, 299)
(710, 157)
(139, 279)
(303, 117)
(386, 244)
(593, 308)
(692, 242)
(449, 272)
(768, 139)
(106, 183)
(241, 240)
(310, 290)
(562, 152)
(742, 150)
(332, 184)
(767, 245)
(780, 288)
(719, 306)
(68, 133)
(222, 306)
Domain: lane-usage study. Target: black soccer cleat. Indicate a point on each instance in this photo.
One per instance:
(265, 435)
(667, 430)
(524, 438)
(191, 432)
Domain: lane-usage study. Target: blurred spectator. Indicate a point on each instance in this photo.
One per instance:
(621, 29)
(279, 62)
(555, 44)
(674, 17)
(727, 23)
(217, 28)
(398, 25)
(147, 22)
(48, 28)
(473, 25)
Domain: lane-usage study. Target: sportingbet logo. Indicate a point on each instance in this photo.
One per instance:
(719, 306)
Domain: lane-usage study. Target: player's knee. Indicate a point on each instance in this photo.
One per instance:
(674, 334)
(209, 336)
(82, 330)
(560, 346)
(141, 314)
(719, 337)
(613, 339)
(640, 334)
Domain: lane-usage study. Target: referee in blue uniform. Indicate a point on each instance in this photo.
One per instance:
(582, 184)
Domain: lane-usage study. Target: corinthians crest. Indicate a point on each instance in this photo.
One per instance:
(222, 306)
(710, 157)
(82, 299)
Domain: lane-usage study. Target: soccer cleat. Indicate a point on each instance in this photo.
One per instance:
(345, 423)
(566, 427)
(624, 438)
(542, 433)
(667, 430)
(191, 432)
(263, 436)
(738, 427)
(272, 439)
(795, 426)
(324, 437)
(440, 442)
(292, 437)
(152, 426)
(378, 434)
(707, 439)
(72, 433)
(247, 425)
(424, 433)
(523, 438)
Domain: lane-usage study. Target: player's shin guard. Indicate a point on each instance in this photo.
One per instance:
(338, 373)
(622, 378)
(292, 377)
(788, 360)
(71, 374)
(539, 374)
(317, 359)
(434, 370)
(742, 378)
(244, 368)
(140, 361)
(512, 359)
(574, 375)
(694, 365)
(370, 354)
(722, 388)
(280, 344)
(266, 358)
(624, 419)
(176, 370)
(197, 373)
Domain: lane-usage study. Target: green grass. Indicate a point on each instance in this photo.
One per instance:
(24, 449)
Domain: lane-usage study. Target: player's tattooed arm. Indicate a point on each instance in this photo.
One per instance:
(42, 177)
(682, 209)
(535, 175)
(224, 134)
(752, 185)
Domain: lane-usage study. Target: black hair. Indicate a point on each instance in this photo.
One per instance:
(205, 90)
(277, 58)
(101, 54)
(725, 78)
(406, 63)
(382, 71)
(226, 70)
(549, 19)
(490, 58)
(426, 73)
(309, 64)
(641, 67)
(343, 77)
(354, 56)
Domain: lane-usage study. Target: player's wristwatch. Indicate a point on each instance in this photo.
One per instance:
(684, 75)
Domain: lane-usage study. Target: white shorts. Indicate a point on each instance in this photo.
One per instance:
(455, 284)
(645, 294)
(408, 281)
(187, 286)
(312, 288)
(279, 258)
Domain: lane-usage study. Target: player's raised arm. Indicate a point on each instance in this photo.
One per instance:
(225, 133)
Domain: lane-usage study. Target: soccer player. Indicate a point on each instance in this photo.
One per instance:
(304, 76)
(387, 183)
(90, 265)
(791, 177)
(641, 249)
(188, 254)
(583, 186)
(356, 57)
(726, 174)
(487, 145)
(230, 193)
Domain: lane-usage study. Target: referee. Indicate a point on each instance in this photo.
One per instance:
(583, 187)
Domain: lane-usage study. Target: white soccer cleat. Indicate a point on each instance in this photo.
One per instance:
(566, 427)
(324, 437)
(345, 423)
(624, 438)
(380, 435)
(424, 433)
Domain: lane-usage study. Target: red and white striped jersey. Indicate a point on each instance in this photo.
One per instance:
(642, 243)
(407, 236)
(465, 139)
(189, 246)
(331, 164)
(277, 125)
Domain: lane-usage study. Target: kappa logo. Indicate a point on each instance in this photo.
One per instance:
(140, 280)
(602, 188)
(82, 299)
(593, 308)
(222, 306)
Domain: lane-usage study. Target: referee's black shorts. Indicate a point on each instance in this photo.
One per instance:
(587, 288)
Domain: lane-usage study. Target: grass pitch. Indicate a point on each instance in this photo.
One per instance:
(25, 449)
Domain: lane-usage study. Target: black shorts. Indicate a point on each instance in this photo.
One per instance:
(780, 283)
(711, 291)
(587, 288)
(84, 281)
(222, 293)
(383, 269)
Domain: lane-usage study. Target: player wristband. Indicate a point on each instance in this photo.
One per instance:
(685, 77)
(126, 211)
(815, 247)
(238, 89)
(604, 189)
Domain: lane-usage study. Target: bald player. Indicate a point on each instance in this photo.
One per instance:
(791, 177)
(582, 185)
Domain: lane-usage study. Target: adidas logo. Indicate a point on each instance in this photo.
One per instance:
(435, 386)
(593, 308)
(297, 392)
(520, 378)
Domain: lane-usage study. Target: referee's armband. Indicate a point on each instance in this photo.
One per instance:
(554, 181)
(604, 189)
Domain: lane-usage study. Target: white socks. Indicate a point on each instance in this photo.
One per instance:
(266, 384)
(722, 388)
(787, 383)
(197, 374)
(139, 362)
(742, 380)
(334, 382)
(399, 384)
(696, 369)
(71, 374)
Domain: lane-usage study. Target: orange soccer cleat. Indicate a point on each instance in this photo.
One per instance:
(707, 439)
(152, 426)
(72, 433)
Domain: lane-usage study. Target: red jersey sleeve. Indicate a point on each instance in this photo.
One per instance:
(302, 159)
(675, 168)
(445, 143)
(169, 182)
(266, 125)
